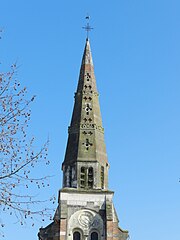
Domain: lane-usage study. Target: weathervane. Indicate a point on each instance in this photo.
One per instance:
(87, 28)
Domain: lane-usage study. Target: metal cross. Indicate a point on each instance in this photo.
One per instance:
(87, 28)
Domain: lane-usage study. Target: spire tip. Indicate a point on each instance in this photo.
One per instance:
(87, 28)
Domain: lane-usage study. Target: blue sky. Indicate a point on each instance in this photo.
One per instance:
(136, 53)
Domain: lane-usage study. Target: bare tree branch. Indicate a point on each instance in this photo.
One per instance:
(17, 154)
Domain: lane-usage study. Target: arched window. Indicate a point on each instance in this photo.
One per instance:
(90, 177)
(76, 236)
(70, 176)
(102, 177)
(86, 177)
(94, 236)
(83, 177)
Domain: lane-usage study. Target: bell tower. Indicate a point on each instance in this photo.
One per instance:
(85, 166)
(85, 210)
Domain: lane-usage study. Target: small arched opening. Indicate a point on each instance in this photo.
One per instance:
(83, 177)
(94, 236)
(76, 235)
(90, 177)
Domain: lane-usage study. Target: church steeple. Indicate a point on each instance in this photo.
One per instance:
(85, 164)
(85, 204)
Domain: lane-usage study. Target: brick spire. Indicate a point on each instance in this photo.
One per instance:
(86, 152)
